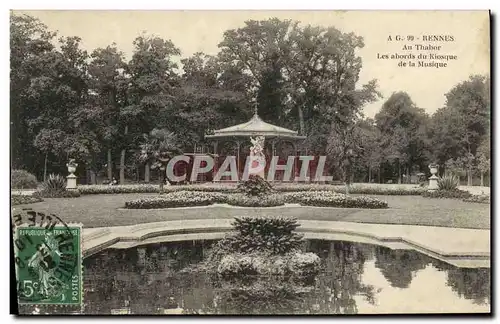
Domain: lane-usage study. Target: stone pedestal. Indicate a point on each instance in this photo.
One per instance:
(433, 182)
(71, 182)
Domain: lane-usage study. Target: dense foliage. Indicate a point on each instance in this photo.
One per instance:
(55, 182)
(255, 186)
(21, 179)
(448, 182)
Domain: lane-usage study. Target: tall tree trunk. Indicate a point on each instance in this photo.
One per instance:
(92, 177)
(122, 160)
(301, 121)
(380, 173)
(469, 176)
(45, 167)
(369, 174)
(399, 172)
(482, 179)
(147, 169)
(110, 166)
(162, 179)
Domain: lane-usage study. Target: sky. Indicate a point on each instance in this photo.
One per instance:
(194, 31)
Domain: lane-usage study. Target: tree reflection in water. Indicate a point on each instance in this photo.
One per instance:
(399, 266)
(469, 283)
(161, 278)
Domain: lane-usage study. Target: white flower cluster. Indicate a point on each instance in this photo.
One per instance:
(333, 199)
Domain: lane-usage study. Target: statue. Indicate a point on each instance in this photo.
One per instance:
(258, 146)
(257, 153)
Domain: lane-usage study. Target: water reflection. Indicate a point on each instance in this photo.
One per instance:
(399, 266)
(157, 279)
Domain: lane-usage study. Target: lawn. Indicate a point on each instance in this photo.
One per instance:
(106, 210)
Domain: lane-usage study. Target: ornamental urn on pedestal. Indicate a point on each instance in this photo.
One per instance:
(71, 178)
(433, 180)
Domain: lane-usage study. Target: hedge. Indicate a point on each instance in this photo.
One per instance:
(24, 199)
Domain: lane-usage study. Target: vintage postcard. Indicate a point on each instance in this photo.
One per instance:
(250, 162)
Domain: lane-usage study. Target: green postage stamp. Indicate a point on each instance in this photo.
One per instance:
(48, 261)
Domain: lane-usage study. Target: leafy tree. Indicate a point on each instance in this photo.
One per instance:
(30, 42)
(403, 129)
(207, 99)
(150, 97)
(457, 130)
(484, 156)
(468, 107)
(261, 48)
(157, 149)
(109, 84)
(345, 138)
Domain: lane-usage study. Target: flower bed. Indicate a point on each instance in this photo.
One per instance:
(384, 191)
(57, 193)
(243, 200)
(309, 198)
(365, 189)
(333, 199)
(177, 199)
(24, 199)
(481, 199)
(150, 188)
(118, 189)
(460, 194)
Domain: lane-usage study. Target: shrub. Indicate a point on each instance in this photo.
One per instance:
(304, 264)
(332, 199)
(58, 193)
(255, 186)
(177, 199)
(54, 183)
(460, 194)
(482, 199)
(295, 264)
(24, 199)
(448, 182)
(55, 187)
(21, 179)
(255, 201)
(273, 235)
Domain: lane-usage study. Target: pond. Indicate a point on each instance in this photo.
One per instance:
(355, 279)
